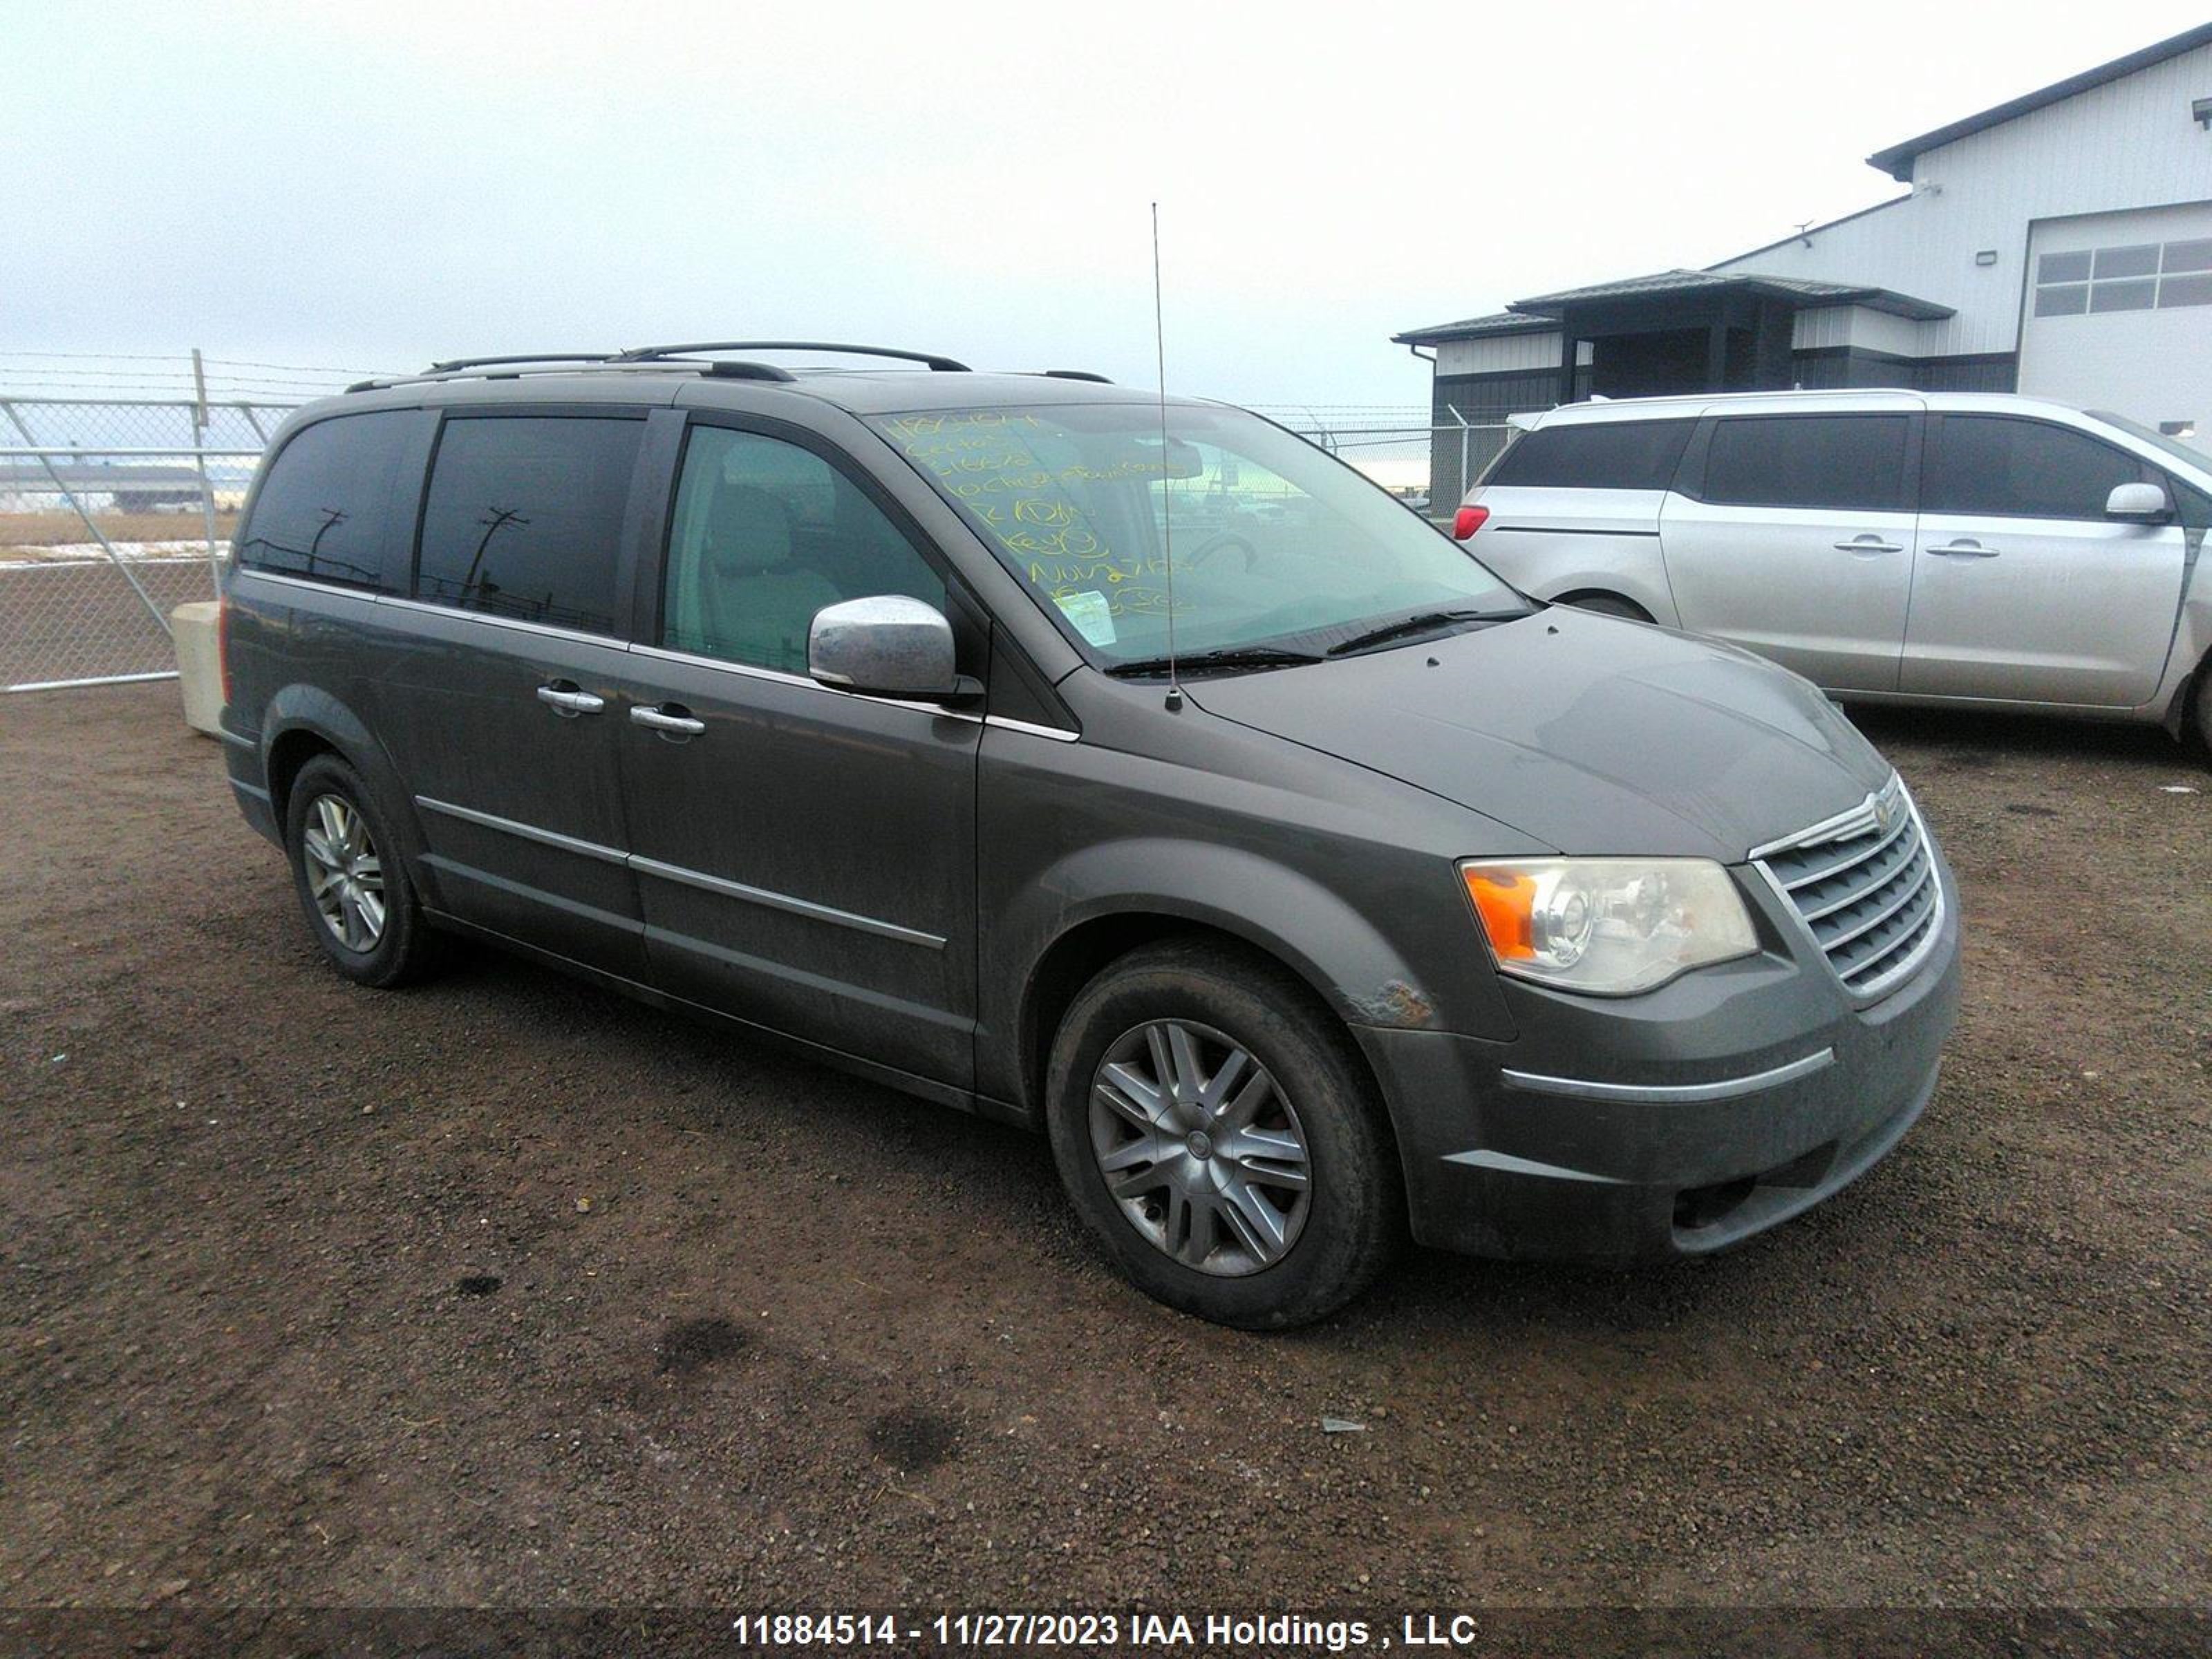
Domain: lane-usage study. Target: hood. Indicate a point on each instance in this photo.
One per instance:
(1592, 735)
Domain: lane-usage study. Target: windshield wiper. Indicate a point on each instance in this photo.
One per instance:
(1425, 622)
(1236, 656)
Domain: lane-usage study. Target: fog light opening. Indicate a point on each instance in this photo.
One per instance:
(1698, 1207)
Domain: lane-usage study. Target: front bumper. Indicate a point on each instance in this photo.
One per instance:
(1671, 1124)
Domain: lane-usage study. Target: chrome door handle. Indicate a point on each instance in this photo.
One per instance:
(1964, 548)
(568, 702)
(1869, 543)
(660, 720)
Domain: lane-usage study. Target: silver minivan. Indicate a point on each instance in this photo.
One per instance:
(1980, 549)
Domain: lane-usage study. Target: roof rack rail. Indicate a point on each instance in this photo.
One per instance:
(452, 363)
(649, 353)
(739, 369)
(1073, 374)
(514, 367)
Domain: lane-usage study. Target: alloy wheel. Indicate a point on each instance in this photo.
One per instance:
(346, 876)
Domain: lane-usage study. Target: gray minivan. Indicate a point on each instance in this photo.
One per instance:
(1126, 769)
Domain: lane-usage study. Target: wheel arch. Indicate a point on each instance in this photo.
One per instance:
(2189, 708)
(1327, 948)
(304, 721)
(1579, 595)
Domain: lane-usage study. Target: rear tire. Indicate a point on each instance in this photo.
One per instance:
(1259, 1187)
(1609, 605)
(2201, 709)
(351, 878)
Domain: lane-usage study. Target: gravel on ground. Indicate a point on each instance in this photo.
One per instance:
(505, 1290)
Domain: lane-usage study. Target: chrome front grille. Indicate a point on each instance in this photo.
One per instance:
(1864, 884)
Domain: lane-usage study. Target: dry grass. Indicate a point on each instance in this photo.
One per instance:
(66, 528)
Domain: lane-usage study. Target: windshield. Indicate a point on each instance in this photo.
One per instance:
(1275, 543)
(2200, 459)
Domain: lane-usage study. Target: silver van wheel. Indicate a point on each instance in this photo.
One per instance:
(1202, 1150)
(345, 877)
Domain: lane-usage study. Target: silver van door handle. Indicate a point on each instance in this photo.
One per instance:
(671, 718)
(568, 702)
(1869, 543)
(1964, 548)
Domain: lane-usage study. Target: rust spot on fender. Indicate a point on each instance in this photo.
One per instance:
(1396, 1003)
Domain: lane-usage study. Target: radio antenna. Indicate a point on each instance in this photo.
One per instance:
(1167, 495)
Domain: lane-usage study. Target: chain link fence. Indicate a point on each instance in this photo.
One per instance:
(111, 514)
(114, 511)
(1426, 465)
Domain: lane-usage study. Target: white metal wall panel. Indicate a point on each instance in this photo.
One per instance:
(1505, 354)
(1856, 325)
(2130, 143)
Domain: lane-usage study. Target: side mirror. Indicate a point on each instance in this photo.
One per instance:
(886, 645)
(2138, 503)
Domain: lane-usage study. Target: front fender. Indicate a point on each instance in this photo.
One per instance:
(1366, 977)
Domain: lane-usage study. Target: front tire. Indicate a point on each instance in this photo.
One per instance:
(1217, 1133)
(351, 879)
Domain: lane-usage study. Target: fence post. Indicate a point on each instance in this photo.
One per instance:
(46, 461)
(1466, 432)
(199, 446)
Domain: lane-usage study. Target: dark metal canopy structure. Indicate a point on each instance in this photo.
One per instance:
(1673, 331)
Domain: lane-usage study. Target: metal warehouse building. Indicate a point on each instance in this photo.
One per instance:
(2059, 245)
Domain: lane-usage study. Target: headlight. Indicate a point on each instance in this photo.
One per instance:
(1609, 926)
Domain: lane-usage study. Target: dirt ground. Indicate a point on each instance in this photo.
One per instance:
(36, 531)
(504, 1290)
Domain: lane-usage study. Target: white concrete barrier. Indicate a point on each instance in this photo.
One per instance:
(199, 664)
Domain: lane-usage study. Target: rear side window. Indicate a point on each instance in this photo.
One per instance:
(1599, 455)
(524, 517)
(1989, 464)
(1809, 461)
(324, 510)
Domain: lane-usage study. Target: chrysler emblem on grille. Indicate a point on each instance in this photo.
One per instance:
(1885, 813)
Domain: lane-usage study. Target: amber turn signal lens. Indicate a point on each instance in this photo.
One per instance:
(1504, 900)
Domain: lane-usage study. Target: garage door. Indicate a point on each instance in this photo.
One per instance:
(2119, 314)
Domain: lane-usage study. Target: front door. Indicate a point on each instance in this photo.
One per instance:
(502, 692)
(805, 857)
(2022, 589)
(1797, 542)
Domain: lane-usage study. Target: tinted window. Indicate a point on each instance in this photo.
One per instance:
(524, 517)
(324, 509)
(766, 533)
(2193, 505)
(1606, 455)
(1985, 464)
(1809, 461)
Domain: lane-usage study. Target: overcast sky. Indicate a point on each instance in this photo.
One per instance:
(377, 184)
